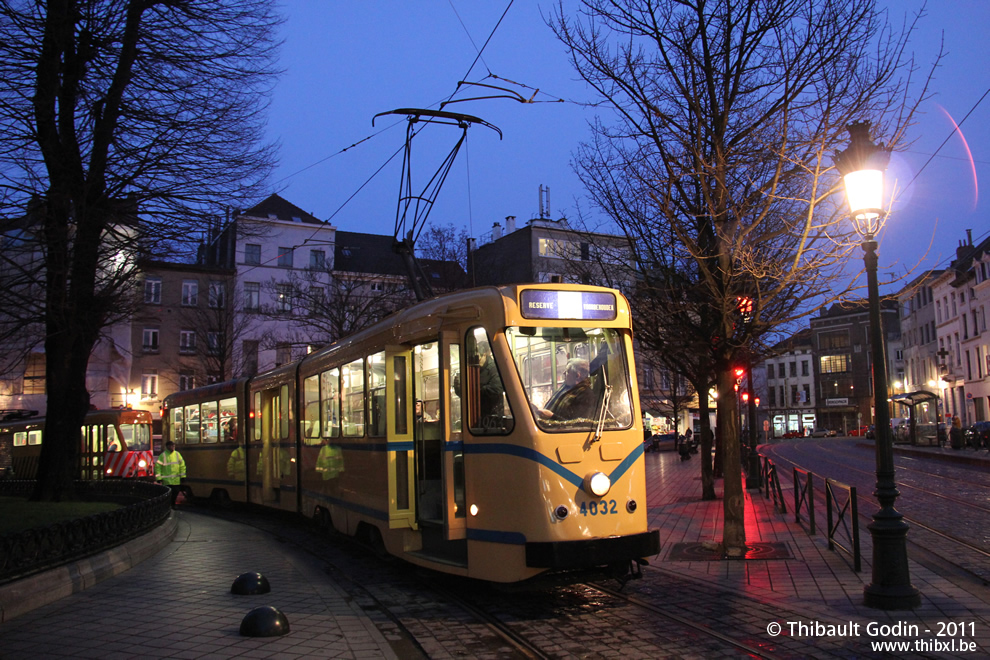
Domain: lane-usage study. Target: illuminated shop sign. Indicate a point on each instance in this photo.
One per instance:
(578, 305)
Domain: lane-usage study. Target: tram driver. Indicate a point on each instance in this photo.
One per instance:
(575, 399)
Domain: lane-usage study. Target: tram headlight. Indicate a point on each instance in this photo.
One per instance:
(597, 484)
(142, 463)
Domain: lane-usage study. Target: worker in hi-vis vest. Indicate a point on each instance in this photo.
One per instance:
(170, 469)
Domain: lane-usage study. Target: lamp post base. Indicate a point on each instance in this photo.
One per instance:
(891, 588)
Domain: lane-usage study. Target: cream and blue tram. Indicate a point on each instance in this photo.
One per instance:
(428, 433)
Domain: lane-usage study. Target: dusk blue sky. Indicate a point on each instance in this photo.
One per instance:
(348, 61)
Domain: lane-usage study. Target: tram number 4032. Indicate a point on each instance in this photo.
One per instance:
(603, 508)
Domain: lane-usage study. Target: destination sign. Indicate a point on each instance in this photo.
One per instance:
(577, 305)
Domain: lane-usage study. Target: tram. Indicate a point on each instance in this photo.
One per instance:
(113, 444)
(491, 433)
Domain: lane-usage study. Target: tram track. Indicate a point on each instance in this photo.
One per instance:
(634, 601)
(903, 484)
(934, 554)
(423, 614)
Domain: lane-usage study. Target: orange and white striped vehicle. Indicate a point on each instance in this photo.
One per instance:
(114, 444)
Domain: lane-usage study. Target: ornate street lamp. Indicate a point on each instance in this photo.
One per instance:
(862, 165)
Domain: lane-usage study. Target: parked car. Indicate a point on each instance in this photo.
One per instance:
(794, 434)
(978, 435)
(823, 433)
(860, 432)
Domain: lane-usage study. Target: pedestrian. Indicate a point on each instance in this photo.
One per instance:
(170, 469)
(955, 433)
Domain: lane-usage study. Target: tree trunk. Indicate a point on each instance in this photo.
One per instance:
(705, 445)
(733, 503)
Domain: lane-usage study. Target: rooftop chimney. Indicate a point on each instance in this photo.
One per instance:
(510, 224)
(496, 231)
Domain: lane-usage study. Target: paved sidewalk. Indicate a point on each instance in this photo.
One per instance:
(178, 605)
(815, 584)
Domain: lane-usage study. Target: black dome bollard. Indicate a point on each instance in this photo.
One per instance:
(264, 621)
(250, 584)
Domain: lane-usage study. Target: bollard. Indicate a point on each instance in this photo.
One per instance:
(264, 621)
(250, 584)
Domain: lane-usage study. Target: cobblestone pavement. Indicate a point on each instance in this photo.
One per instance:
(341, 601)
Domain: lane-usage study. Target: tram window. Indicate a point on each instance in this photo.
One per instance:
(284, 418)
(192, 422)
(488, 411)
(177, 429)
(20, 438)
(587, 367)
(376, 395)
(137, 437)
(228, 420)
(113, 442)
(209, 423)
(330, 394)
(311, 410)
(257, 416)
(401, 413)
(352, 416)
(455, 388)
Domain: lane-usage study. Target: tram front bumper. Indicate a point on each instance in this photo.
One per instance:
(592, 552)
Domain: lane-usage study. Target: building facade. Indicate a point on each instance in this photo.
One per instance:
(790, 386)
(843, 363)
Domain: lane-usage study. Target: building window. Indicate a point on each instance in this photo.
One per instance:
(187, 341)
(187, 381)
(190, 293)
(831, 340)
(794, 394)
(249, 354)
(834, 364)
(252, 254)
(149, 339)
(149, 385)
(153, 290)
(317, 259)
(793, 369)
(285, 257)
(806, 394)
(770, 375)
(217, 294)
(804, 368)
(317, 300)
(252, 296)
(213, 343)
(283, 354)
(773, 397)
(212, 377)
(283, 298)
(34, 374)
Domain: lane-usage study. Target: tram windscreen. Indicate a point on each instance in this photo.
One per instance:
(137, 436)
(573, 377)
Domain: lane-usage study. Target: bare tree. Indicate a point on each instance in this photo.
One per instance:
(155, 102)
(336, 304)
(719, 161)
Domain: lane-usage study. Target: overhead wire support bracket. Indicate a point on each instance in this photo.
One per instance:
(414, 209)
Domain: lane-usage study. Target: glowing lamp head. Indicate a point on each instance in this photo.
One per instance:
(142, 463)
(597, 484)
(862, 166)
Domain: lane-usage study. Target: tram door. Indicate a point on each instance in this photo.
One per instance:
(428, 434)
(93, 447)
(273, 466)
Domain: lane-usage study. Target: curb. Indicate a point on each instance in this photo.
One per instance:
(35, 591)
